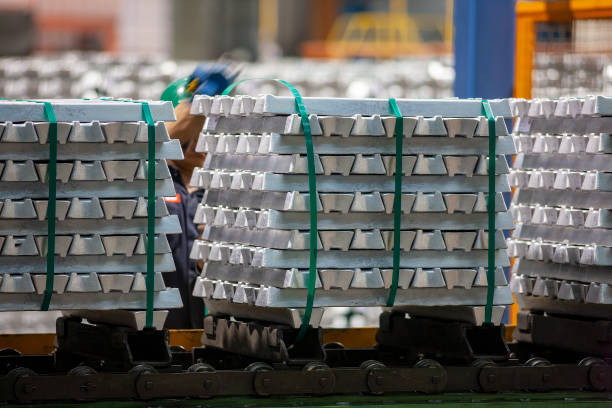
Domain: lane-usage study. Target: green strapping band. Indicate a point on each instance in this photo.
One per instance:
(397, 199)
(150, 278)
(312, 190)
(486, 111)
(51, 178)
(51, 206)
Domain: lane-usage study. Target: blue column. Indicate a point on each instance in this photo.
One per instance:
(484, 48)
(484, 42)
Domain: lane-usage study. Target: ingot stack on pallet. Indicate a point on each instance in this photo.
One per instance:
(255, 243)
(101, 206)
(562, 206)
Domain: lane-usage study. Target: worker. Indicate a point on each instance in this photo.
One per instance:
(205, 80)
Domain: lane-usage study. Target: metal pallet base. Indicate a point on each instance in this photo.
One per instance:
(274, 343)
(443, 340)
(109, 348)
(592, 337)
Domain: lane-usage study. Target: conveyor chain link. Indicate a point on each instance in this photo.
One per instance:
(322, 381)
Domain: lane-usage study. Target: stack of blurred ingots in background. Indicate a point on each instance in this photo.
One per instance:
(562, 207)
(101, 216)
(254, 247)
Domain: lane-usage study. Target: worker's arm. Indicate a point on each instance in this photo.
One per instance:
(186, 129)
(186, 125)
(204, 80)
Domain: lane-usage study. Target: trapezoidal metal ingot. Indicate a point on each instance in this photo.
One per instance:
(80, 282)
(336, 278)
(62, 245)
(59, 283)
(64, 170)
(117, 282)
(86, 132)
(336, 125)
(18, 132)
(367, 278)
(17, 209)
(19, 246)
(85, 208)
(572, 291)
(139, 283)
(16, 284)
(404, 277)
(19, 171)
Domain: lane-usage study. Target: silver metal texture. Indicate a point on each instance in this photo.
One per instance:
(277, 144)
(355, 164)
(81, 110)
(85, 263)
(96, 170)
(87, 189)
(167, 225)
(170, 150)
(269, 105)
(370, 258)
(566, 272)
(218, 179)
(81, 132)
(356, 125)
(77, 244)
(334, 202)
(167, 299)
(589, 106)
(427, 218)
(79, 283)
(353, 278)
(418, 296)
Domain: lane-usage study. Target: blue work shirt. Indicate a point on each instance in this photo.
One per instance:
(184, 205)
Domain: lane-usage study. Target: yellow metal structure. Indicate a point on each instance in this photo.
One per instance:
(382, 35)
(529, 13)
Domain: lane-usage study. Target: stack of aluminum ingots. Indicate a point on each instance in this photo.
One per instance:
(563, 205)
(255, 244)
(101, 206)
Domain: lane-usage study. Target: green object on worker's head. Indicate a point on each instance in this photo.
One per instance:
(176, 91)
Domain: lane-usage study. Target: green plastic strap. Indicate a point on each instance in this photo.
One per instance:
(51, 206)
(312, 190)
(397, 199)
(150, 279)
(51, 177)
(486, 111)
